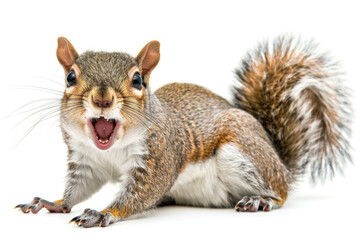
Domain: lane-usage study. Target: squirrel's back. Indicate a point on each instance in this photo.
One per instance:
(196, 111)
(183, 97)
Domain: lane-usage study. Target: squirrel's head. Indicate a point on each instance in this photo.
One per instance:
(105, 93)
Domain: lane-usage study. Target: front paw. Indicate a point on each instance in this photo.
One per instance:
(92, 218)
(37, 204)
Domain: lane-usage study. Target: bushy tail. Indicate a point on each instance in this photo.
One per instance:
(299, 97)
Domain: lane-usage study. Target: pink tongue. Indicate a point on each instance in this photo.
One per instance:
(103, 128)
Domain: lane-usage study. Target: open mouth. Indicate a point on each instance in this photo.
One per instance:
(103, 131)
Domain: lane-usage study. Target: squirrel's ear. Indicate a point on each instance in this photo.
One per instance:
(66, 53)
(148, 58)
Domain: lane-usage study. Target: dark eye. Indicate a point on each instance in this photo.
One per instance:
(71, 79)
(136, 82)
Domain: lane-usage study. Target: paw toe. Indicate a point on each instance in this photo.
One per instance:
(89, 218)
(107, 219)
(240, 206)
(253, 204)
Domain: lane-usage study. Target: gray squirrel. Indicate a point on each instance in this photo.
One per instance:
(185, 145)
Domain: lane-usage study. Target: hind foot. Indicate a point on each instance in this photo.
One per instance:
(254, 203)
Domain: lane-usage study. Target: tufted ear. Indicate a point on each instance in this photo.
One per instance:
(148, 58)
(66, 53)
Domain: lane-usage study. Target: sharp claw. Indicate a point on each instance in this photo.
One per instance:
(18, 206)
(267, 207)
(239, 207)
(74, 219)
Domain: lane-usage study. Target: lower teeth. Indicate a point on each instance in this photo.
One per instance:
(103, 141)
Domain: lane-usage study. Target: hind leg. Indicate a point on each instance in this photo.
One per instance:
(250, 189)
(256, 177)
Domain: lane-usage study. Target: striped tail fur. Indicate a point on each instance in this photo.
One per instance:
(299, 96)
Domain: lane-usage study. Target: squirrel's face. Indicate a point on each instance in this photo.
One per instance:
(105, 93)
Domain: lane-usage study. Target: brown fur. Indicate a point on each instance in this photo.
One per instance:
(224, 124)
(274, 136)
(267, 76)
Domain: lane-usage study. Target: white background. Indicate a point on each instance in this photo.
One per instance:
(202, 43)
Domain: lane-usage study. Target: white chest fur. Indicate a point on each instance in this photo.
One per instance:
(115, 163)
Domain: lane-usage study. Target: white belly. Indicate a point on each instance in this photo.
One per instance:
(199, 185)
(218, 181)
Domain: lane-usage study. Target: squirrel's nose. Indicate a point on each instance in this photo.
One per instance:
(103, 103)
(102, 99)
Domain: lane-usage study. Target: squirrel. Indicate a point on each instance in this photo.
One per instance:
(185, 145)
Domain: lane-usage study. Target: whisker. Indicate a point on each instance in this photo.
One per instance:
(33, 114)
(49, 100)
(43, 117)
(46, 107)
(134, 114)
(50, 80)
(145, 115)
(44, 89)
(15, 112)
